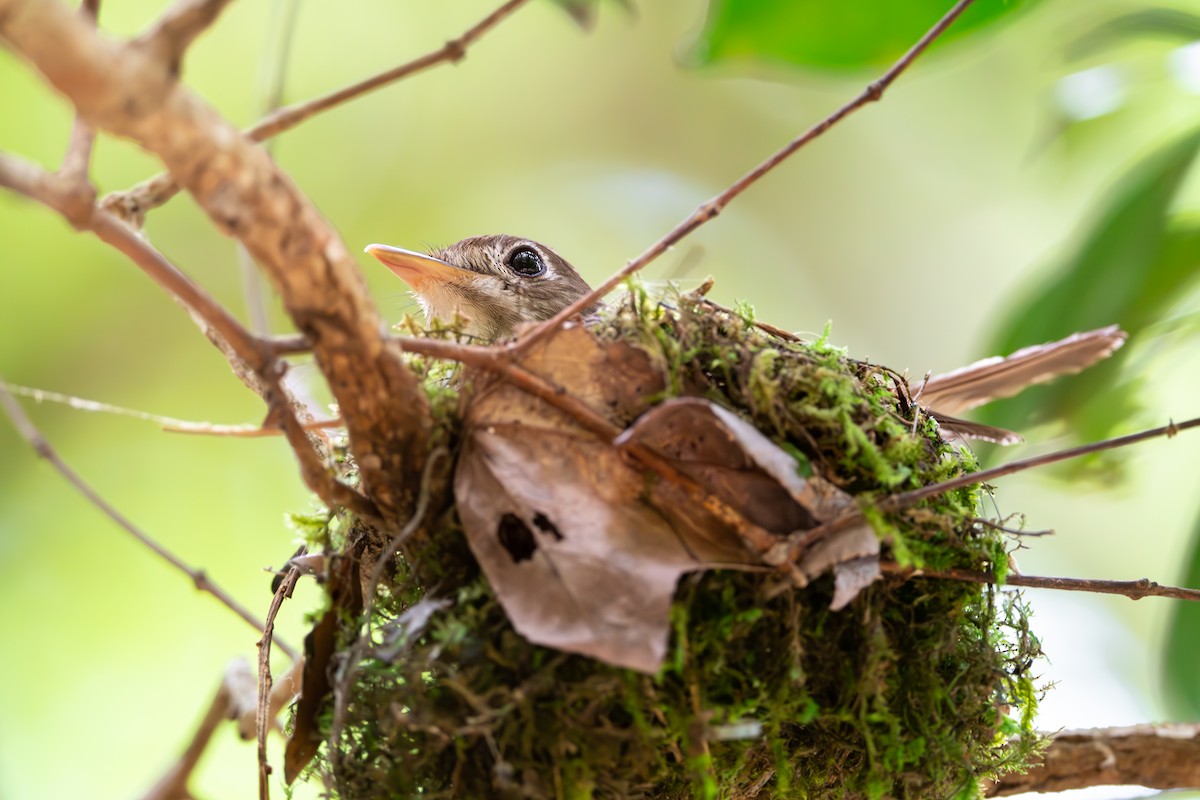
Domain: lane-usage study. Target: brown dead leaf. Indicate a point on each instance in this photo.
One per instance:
(582, 546)
(557, 518)
(745, 469)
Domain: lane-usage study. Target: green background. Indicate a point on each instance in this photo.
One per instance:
(920, 227)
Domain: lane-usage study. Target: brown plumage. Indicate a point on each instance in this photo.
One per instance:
(495, 283)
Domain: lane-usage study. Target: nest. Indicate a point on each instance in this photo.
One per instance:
(917, 688)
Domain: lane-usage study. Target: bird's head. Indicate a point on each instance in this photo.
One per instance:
(495, 283)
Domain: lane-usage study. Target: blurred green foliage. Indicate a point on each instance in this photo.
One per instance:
(824, 35)
(910, 227)
(1132, 267)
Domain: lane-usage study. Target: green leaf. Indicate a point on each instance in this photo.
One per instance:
(829, 34)
(1182, 661)
(1131, 267)
(1170, 23)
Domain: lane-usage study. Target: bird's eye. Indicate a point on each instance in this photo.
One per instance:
(526, 261)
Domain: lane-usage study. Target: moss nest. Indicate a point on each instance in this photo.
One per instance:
(919, 688)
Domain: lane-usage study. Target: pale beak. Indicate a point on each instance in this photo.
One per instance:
(415, 268)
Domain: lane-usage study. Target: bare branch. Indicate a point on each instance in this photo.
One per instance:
(263, 715)
(251, 359)
(123, 89)
(57, 192)
(1157, 756)
(228, 703)
(1134, 590)
(715, 205)
(499, 361)
(896, 502)
(134, 203)
(199, 579)
(175, 31)
(905, 499)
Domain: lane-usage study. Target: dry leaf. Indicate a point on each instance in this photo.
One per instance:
(557, 518)
(582, 547)
(735, 461)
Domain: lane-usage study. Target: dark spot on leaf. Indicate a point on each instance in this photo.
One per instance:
(546, 526)
(516, 538)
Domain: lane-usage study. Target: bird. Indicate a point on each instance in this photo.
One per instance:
(496, 283)
(493, 283)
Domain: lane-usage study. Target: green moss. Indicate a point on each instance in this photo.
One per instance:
(920, 688)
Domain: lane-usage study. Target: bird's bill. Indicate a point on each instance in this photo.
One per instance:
(416, 269)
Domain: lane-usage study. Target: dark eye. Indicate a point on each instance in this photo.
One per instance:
(526, 261)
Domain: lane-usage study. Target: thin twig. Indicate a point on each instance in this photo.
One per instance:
(1134, 590)
(263, 714)
(717, 204)
(52, 191)
(499, 361)
(898, 501)
(168, 424)
(29, 432)
(135, 202)
(78, 159)
(250, 357)
(999, 526)
(315, 470)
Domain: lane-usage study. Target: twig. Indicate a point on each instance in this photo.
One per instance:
(53, 191)
(135, 202)
(169, 424)
(499, 361)
(898, 501)
(263, 714)
(717, 204)
(283, 691)
(29, 432)
(250, 357)
(128, 92)
(999, 526)
(226, 704)
(175, 31)
(1157, 756)
(1134, 590)
(75, 164)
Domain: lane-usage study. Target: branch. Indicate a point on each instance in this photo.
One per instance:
(263, 715)
(29, 432)
(499, 361)
(57, 192)
(251, 358)
(1134, 590)
(78, 158)
(1157, 756)
(905, 499)
(134, 203)
(717, 204)
(896, 502)
(175, 31)
(123, 89)
(228, 703)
